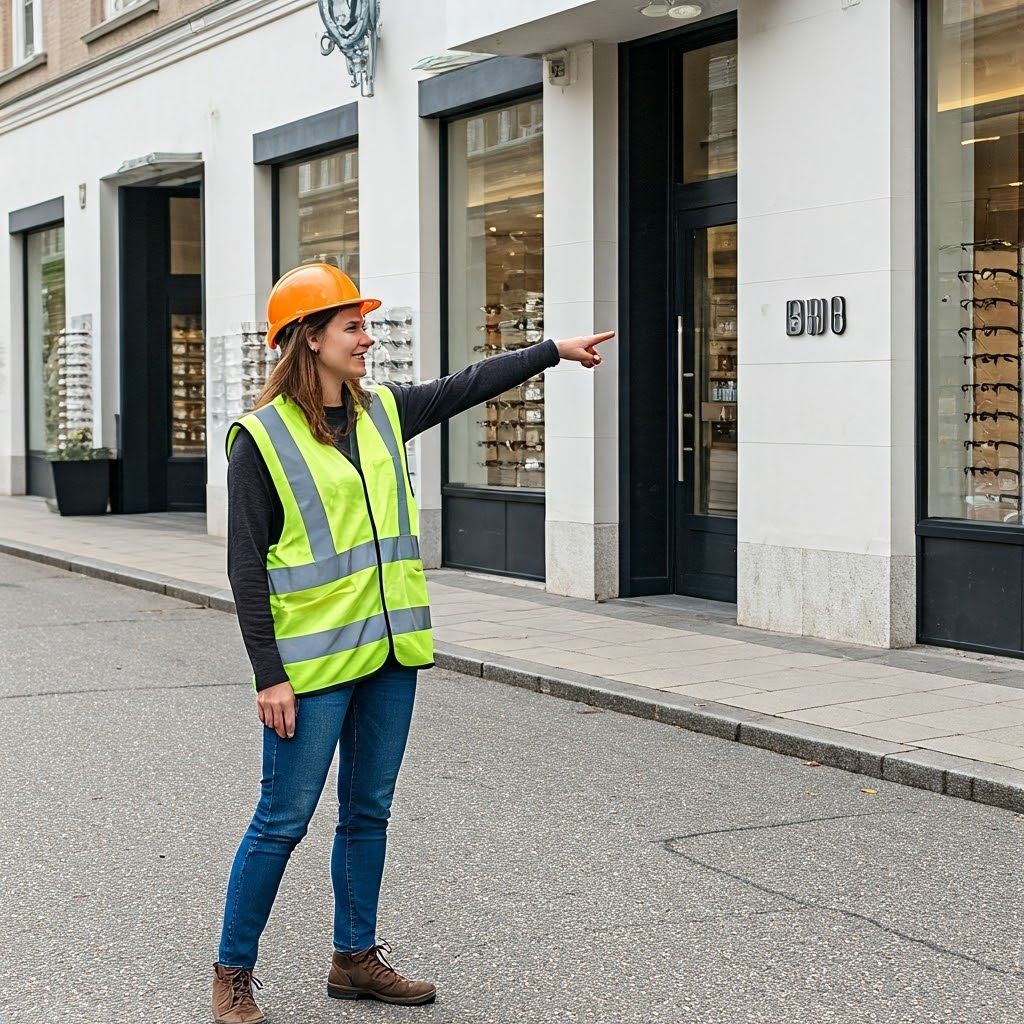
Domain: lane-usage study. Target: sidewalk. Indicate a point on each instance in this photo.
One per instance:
(938, 719)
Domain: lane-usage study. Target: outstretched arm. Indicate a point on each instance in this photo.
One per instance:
(422, 406)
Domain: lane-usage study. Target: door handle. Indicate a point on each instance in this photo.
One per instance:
(680, 376)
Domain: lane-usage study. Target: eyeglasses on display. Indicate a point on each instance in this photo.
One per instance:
(983, 245)
(976, 416)
(997, 387)
(992, 444)
(986, 471)
(988, 303)
(987, 331)
(527, 465)
(988, 274)
(986, 357)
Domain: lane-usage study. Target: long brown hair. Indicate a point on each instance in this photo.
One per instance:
(296, 377)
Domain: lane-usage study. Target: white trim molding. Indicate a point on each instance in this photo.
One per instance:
(117, 20)
(35, 61)
(220, 24)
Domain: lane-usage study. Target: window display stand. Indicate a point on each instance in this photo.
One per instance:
(391, 358)
(188, 385)
(992, 393)
(513, 429)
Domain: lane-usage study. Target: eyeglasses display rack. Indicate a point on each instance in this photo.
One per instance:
(188, 385)
(72, 397)
(391, 358)
(718, 473)
(992, 392)
(512, 432)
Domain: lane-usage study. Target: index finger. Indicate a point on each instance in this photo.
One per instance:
(596, 339)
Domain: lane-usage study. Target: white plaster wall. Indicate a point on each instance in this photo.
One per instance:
(580, 297)
(399, 228)
(212, 99)
(826, 463)
(472, 19)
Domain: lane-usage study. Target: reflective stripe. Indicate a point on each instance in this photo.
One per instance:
(293, 578)
(382, 422)
(352, 635)
(333, 641)
(409, 620)
(300, 479)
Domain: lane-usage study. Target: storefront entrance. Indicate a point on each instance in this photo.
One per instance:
(162, 428)
(679, 369)
(706, 403)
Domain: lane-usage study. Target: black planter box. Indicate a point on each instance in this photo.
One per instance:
(82, 488)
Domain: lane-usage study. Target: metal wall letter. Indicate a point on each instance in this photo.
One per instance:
(353, 27)
(795, 317)
(838, 314)
(816, 316)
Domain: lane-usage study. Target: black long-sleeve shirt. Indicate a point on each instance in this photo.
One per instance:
(255, 514)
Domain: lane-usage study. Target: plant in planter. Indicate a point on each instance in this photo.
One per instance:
(81, 474)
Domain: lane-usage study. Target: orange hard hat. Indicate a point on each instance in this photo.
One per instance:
(311, 288)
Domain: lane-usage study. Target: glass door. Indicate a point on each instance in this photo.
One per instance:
(707, 403)
(185, 381)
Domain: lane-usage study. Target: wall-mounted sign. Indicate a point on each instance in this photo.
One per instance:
(353, 27)
(816, 316)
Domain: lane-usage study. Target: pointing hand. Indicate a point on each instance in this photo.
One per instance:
(583, 350)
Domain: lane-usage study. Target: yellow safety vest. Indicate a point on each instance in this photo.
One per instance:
(346, 580)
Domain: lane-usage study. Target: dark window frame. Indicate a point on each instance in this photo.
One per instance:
(448, 488)
(44, 210)
(275, 193)
(934, 534)
(672, 195)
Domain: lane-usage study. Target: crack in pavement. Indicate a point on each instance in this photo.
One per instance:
(119, 689)
(934, 947)
(757, 828)
(166, 613)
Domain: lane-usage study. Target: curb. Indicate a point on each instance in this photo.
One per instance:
(903, 764)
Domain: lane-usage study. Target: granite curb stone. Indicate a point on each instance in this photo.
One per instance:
(905, 765)
(34, 553)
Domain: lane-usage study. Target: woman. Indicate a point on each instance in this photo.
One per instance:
(323, 558)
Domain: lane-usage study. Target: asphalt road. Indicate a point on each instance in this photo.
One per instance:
(547, 863)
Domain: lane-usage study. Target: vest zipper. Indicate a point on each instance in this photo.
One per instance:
(376, 544)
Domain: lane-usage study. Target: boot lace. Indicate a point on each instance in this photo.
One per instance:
(242, 982)
(378, 964)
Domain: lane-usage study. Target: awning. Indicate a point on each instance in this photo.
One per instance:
(158, 169)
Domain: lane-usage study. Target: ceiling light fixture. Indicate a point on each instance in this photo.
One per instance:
(686, 11)
(656, 8)
(987, 138)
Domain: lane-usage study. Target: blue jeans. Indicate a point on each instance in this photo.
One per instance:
(370, 720)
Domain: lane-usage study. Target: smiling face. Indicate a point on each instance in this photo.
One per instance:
(344, 343)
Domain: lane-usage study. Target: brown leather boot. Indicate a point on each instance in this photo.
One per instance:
(368, 975)
(233, 1002)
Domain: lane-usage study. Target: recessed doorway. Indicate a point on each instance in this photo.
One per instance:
(163, 351)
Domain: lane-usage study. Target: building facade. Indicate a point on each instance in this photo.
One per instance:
(803, 218)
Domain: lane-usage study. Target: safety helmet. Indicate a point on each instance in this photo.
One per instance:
(311, 288)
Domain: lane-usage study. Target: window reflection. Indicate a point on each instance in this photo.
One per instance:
(496, 288)
(318, 212)
(976, 202)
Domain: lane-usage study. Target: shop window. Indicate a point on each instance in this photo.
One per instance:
(975, 168)
(495, 174)
(318, 212)
(45, 321)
